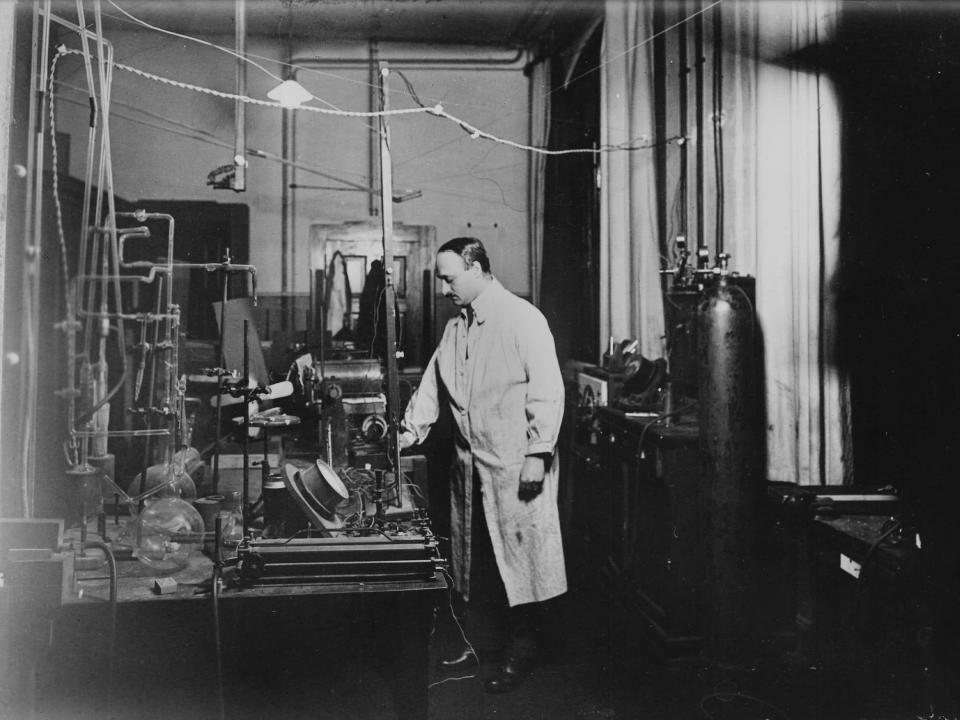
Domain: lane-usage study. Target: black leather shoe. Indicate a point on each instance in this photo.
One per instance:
(466, 659)
(509, 675)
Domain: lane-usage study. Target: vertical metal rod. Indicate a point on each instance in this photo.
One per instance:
(329, 440)
(239, 182)
(376, 96)
(265, 465)
(684, 123)
(83, 519)
(218, 540)
(245, 380)
(221, 370)
(111, 201)
(91, 145)
(286, 210)
(386, 205)
(702, 256)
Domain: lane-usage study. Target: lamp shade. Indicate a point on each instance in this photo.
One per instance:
(290, 94)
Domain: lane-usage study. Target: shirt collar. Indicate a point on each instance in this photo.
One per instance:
(483, 304)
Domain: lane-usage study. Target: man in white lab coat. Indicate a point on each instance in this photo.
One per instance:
(496, 366)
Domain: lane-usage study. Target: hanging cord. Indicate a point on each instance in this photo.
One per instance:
(644, 143)
(55, 162)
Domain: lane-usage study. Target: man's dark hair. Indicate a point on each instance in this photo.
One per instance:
(470, 249)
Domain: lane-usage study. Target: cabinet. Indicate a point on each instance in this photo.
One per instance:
(638, 516)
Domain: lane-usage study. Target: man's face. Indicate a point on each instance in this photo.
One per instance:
(459, 283)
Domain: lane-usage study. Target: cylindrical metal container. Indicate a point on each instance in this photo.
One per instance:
(355, 377)
(281, 516)
(731, 449)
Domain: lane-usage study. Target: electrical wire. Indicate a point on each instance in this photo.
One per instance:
(202, 136)
(246, 57)
(228, 51)
(436, 110)
(55, 173)
(299, 68)
(463, 634)
(660, 418)
(474, 132)
(642, 43)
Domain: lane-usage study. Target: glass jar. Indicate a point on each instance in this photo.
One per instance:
(231, 519)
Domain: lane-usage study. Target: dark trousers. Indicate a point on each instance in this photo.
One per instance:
(532, 630)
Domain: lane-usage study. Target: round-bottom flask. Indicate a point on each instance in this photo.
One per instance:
(166, 533)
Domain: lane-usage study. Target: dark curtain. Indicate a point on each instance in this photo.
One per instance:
(569, 287)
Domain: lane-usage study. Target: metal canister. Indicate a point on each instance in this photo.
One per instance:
(281, 517)
(731, 449)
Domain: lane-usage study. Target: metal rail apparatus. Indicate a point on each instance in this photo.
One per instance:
(119, 272)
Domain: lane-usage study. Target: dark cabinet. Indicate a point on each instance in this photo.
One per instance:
(637, 494)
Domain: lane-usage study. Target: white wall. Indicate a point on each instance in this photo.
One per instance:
(463, 181)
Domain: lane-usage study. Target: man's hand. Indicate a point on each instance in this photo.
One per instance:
(531, 478)
(406, 439)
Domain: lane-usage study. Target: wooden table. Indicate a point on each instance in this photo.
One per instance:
(286, 651)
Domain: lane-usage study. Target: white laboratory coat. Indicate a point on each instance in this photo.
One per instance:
(502, 381)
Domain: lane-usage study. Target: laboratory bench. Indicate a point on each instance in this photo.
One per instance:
(337, 649)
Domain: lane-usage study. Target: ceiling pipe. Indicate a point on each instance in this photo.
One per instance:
(515, 62)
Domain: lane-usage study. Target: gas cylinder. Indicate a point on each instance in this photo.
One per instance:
(731, 451)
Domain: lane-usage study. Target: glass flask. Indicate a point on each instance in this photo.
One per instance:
(175, 480)
(166, 533)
